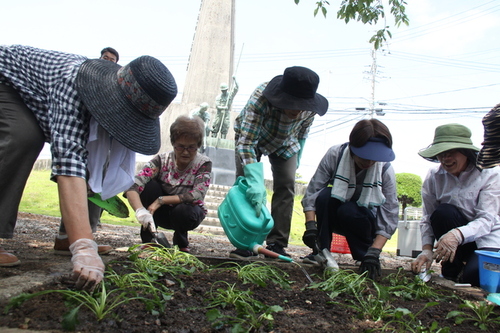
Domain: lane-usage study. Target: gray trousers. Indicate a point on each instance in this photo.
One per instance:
(21, 141)
(282, 200)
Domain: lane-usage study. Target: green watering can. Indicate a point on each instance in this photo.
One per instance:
(244, 229)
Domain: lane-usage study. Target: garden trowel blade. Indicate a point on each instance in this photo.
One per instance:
(161, 239)
(114, 206)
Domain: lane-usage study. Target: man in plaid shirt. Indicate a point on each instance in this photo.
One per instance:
(275, 122)
(60, 98)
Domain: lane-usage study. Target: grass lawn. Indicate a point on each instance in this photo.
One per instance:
(40, 197)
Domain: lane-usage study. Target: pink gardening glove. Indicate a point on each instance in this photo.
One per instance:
(88, 268)
(424, 259)
(446, 246)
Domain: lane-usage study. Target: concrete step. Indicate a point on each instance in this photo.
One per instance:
(214, 230)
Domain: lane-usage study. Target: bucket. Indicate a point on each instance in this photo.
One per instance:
(409, 239)
(489, 270)
(339, 244)
(237, 217)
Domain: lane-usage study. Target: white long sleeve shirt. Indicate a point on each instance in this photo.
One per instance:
(475, 193)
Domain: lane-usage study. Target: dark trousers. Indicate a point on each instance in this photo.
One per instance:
(181, 218)
(356, 223)
(283, 196)
(21, 141)
(443, 219)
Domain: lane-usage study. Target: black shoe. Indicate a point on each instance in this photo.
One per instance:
(241, 254)
(310, 259)
(276, 248)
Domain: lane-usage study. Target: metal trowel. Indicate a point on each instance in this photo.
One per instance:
(325, 258)
(161, 239)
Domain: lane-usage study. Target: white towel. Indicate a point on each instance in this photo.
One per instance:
(119, 175)
(344, 183)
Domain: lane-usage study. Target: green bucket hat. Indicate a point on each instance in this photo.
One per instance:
(447, 137)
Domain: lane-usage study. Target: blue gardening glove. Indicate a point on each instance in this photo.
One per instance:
(310, 235)
(371, 263)
(256, 191)
(302, 142)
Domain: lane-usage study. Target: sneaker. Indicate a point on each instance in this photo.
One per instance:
(242, 254)
(61, 247)
(310, 259)
(275, 247)
(8, 259)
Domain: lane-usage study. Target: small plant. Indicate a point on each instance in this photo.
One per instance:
(481, 316)
(337, 282)
(101, 303)
(373, 306)
(251, 314)
(160, 261)
(411, 289)
(403, 320)
(261, 274)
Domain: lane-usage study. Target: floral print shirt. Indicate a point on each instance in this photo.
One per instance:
(190, 184)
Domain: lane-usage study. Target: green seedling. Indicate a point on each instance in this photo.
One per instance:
(101, 303)
(403, 320)
(155, 292)
(411, 289)
(371, 305)
(251, 314)
(160, 261)
(482, 314)
(337, 282)
(261, 274)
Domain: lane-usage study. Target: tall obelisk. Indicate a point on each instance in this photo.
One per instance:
(210, 63)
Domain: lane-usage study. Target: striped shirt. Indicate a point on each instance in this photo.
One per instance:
(261, 129)
(45, 80)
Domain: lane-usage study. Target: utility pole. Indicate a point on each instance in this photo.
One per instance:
(373, 72)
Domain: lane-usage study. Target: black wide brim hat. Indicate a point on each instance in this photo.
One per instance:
(296, 90)
(127, 101)
(489, 156)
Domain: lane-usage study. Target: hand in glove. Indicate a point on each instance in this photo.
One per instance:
(424, 258)
(145, 219)
(311, 234)
(256, 191)
(446, 246)
(371, 263)
(88, 268)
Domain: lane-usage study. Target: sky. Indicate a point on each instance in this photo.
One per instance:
(442, 68)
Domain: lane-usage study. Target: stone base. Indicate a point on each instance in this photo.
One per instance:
(223, 166)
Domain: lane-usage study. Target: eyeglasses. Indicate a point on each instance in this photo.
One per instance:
(190, 149)
(447, 153)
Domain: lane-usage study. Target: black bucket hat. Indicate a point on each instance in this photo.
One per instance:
(296, 90)
(489, 156)
(127, 101)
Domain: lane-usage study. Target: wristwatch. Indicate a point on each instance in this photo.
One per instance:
(160, 200)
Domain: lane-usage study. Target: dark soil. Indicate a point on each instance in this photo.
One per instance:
(304, 309)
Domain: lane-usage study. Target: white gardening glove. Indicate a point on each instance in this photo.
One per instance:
(88, 268)
(446, 246)
(424, 258)
(145, 219)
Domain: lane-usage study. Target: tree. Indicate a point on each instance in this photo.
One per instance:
(409, 188)
(368, 11)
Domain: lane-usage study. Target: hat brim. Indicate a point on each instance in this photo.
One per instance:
(283, 100)
(374, 151)
(98, 87)
(436, 149)
(488, 157)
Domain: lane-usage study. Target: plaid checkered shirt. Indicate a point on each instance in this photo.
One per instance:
(45, 81)
(261, 129)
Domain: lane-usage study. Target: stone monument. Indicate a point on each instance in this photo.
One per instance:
(210, 63)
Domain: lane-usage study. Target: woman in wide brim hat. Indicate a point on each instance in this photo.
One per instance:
(128, 101)
(460, 206)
